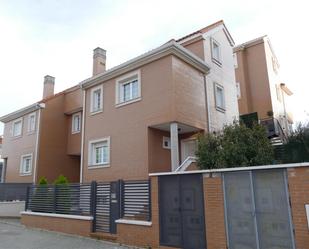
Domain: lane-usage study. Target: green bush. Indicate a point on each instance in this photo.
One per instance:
(61, 180)
(236, 146)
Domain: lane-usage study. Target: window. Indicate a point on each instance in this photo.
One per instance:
(216, 52)
(235, 60)
(76, 121)
(31, 122)
(128, 88)
(238, 90)
(17, 127)
(166, 143)
(219, 97)
(96, 104)
(26, 164)
(99, 152)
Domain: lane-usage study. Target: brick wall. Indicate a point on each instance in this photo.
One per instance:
(298, 179)
(214, 212)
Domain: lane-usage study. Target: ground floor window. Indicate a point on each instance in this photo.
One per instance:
(99, 152)
(26, 164)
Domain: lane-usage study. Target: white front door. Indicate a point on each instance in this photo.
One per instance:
(188, 148)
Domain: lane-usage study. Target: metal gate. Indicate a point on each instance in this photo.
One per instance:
(181, 208)
(257, 210)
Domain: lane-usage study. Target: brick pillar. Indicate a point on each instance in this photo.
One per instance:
(298, 180)
(214, 211)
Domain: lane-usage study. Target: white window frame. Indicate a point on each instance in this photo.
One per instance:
(168, 140)
(74, 129)
(21, 129)
(91, 163)
(29, 122)
(21, 170)
(235, 60)
(100, 109)
(219, 108)
(217, 61)
(120, 82)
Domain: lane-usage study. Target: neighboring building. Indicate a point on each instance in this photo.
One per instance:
(1, 161)
(260, 91)
(43, 139)
(140, 117)
(144, 115)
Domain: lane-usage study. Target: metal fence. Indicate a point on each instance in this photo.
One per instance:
(71, 199)
(13, 191)
(136, 200)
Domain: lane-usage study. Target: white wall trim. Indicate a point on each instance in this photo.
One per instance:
(65, 216)
(276, 166)
(83, 138)
(134, 222)
(37, 142)
(307, 211)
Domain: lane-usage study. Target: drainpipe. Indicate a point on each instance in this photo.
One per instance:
(83, 137)
(174, 146)
(37, 142)
(207, 104)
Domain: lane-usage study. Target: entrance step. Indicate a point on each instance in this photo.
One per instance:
(104, 236)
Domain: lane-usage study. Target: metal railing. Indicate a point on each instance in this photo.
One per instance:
(13, 191)
(71, 199)
(136, 201)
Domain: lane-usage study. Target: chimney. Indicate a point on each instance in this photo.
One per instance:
(99, 61)
(48, 88)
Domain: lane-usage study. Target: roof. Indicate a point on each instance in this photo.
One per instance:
(169, 48)
(208, 28)
(250, 43)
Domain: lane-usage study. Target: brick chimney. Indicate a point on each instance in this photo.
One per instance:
(49, 85)
(99, 61)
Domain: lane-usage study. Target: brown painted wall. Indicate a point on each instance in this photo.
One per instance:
(15, 147)
(196, 47)
(74, 140)
(298, 179)
(53, 158)
(254, 82)
(73, 100)
(63, 225)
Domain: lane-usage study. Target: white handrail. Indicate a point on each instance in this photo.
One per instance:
(186, 163)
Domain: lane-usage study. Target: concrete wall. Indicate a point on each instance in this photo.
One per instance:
(11, 209)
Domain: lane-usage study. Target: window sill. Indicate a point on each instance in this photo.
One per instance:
(218, 63)
(75, 132)
(134, 222)
(128, 102)
(98, 166)
(31, 133)
(17, 137)
(220, 109)
(96, 112)
(25, 174)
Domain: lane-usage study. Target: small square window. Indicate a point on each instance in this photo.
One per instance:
(17, 127)
(96, 104)
(216, 52)
(26, 164)
(99, 153)
(128, 88)
(235, 60)
(31, 122)
(238, 90)
(166, 143)
(219, 97)
(76, 123)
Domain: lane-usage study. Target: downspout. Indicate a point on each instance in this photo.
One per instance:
(207, 104)
(82, 140)
(41, 106)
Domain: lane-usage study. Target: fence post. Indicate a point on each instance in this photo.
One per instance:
(93, 201)
(27, 198)
(121, 198)
(55, 199)
(149, 196)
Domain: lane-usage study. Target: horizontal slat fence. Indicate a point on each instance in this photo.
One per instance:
(71, 199)
(13, 191)
(136, 200)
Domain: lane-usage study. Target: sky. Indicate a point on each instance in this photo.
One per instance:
(40, 37)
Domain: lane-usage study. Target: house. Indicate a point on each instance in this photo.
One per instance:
(43, 139)
(1, 161)
(261, 93)
(144, 115)
(140, 117)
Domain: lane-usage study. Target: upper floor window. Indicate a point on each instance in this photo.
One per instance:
(235, 60)
(26, 164)
(96, 104)
(99, 152)
(17, 127)
(76, 123)
(219, 97)
(216, 52)
(128, 88)
(166, 143)
(31, 122)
